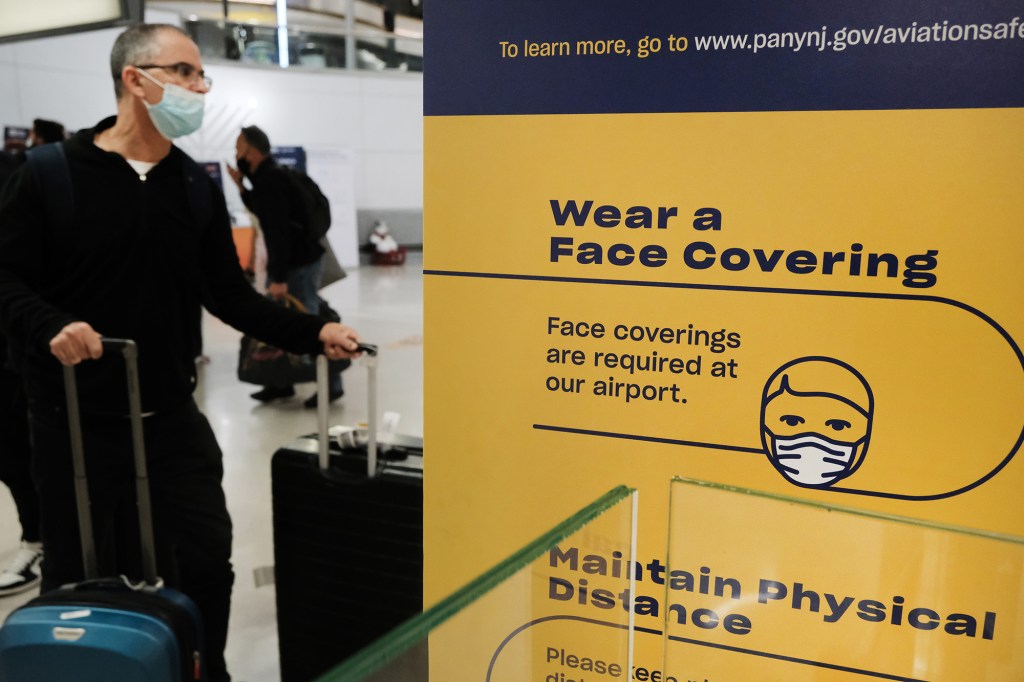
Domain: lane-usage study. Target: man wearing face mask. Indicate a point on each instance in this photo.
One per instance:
(816, 417)
(42, 132)
(132, 247)
(294, 257)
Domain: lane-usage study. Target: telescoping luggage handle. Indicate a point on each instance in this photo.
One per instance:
(370, 352)
(129, 350)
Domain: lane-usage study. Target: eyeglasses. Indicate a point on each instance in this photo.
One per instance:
(184, 70)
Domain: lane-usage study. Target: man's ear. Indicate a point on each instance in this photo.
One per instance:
(131, 79)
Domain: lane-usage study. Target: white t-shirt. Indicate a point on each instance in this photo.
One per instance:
(141, 167)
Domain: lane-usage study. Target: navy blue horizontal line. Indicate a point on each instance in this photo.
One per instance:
(793, 659)
(799, 292)
(701, 287)
(685, 640)
(648, 439)
(725, 287)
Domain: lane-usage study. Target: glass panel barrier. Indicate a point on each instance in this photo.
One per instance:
(524, 619)
(765, 587)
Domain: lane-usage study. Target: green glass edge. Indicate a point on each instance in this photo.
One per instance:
(880, 516)
(388, 648)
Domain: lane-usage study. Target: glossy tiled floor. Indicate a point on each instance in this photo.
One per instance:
(386, 305)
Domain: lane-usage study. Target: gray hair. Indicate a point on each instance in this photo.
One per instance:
(136, 45)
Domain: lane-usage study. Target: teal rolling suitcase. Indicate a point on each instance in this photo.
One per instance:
(105, 629)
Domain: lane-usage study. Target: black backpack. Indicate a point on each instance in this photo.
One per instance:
(314, 207)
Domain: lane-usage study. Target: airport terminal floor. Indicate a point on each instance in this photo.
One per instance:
(386, 305)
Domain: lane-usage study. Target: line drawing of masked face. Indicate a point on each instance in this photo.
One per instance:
(816, 417)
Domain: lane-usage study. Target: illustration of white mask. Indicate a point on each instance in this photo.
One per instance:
(811, 459)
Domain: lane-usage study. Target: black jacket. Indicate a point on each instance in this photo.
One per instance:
(275, 201)
(133, 263)
(8, 164)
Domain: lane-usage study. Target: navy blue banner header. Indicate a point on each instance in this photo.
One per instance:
(610, 56)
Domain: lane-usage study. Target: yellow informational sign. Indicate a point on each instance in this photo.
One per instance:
(816, 298)
(844, 332)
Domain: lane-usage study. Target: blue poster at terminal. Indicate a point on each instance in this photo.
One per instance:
(213, 169)
(290, 157)
(15, 138)
(615, 57)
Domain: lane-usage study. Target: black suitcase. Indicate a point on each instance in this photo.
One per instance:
(348, 541)
(106, 628)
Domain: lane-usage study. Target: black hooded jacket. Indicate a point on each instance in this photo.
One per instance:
(134, 262)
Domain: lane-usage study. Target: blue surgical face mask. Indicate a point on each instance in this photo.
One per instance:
(179, 113)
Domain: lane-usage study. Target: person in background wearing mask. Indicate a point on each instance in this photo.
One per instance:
(136, 260)
(42, 132)
(294, 257)
(816, 416)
